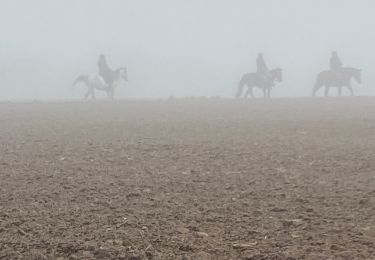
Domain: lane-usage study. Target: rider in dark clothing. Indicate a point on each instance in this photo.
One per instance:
(335, 62)
(104, 70)
(262, 68)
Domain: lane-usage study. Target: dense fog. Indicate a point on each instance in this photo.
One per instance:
(178, 47)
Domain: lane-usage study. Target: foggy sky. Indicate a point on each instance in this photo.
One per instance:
(180, 47)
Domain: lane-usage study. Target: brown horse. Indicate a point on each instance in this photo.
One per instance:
(252, 80)
(339, 79)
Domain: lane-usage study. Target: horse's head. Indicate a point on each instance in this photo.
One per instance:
(277, 74)
(122, 73)
(354, 73)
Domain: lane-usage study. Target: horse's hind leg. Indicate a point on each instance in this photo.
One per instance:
(269, 92)
(340, 91)
(87, 94)
(110, 93)
(92, 92)
(249, 92)
(239, 90)
(317, 86)
(326, 91)
(351, 90)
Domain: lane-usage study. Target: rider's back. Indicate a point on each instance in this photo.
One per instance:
(335, 62)
(104, 70)
(261, 65)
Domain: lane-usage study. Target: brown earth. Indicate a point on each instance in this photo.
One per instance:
(186, 179)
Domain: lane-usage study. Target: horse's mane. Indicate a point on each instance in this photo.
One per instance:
(119, 69)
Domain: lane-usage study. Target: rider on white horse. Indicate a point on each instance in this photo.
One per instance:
(105, 71)
(105, 80)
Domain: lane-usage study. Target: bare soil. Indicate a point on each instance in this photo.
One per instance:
(193, 179)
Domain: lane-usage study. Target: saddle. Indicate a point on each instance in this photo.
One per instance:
(339, 74)
(266, 79)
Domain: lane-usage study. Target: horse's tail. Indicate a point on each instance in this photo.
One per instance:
(318, 84)
(240, 86)
(118, 70)
(80, 79)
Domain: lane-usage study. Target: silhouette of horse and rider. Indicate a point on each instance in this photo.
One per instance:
(105, 80)
(263, 78)
(338, 76)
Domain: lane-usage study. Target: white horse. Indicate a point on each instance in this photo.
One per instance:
(95, 81)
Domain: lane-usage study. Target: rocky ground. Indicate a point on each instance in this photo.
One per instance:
(192, 179)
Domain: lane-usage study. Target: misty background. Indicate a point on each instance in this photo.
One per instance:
(178, 47)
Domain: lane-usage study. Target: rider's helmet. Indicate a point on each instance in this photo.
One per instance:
(101, 57)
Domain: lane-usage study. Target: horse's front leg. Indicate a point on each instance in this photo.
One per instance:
(340, 91)
(350, 90)
(110, 93)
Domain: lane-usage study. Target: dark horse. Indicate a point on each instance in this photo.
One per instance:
(329, 78)
(96, 81)
(252, 80)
